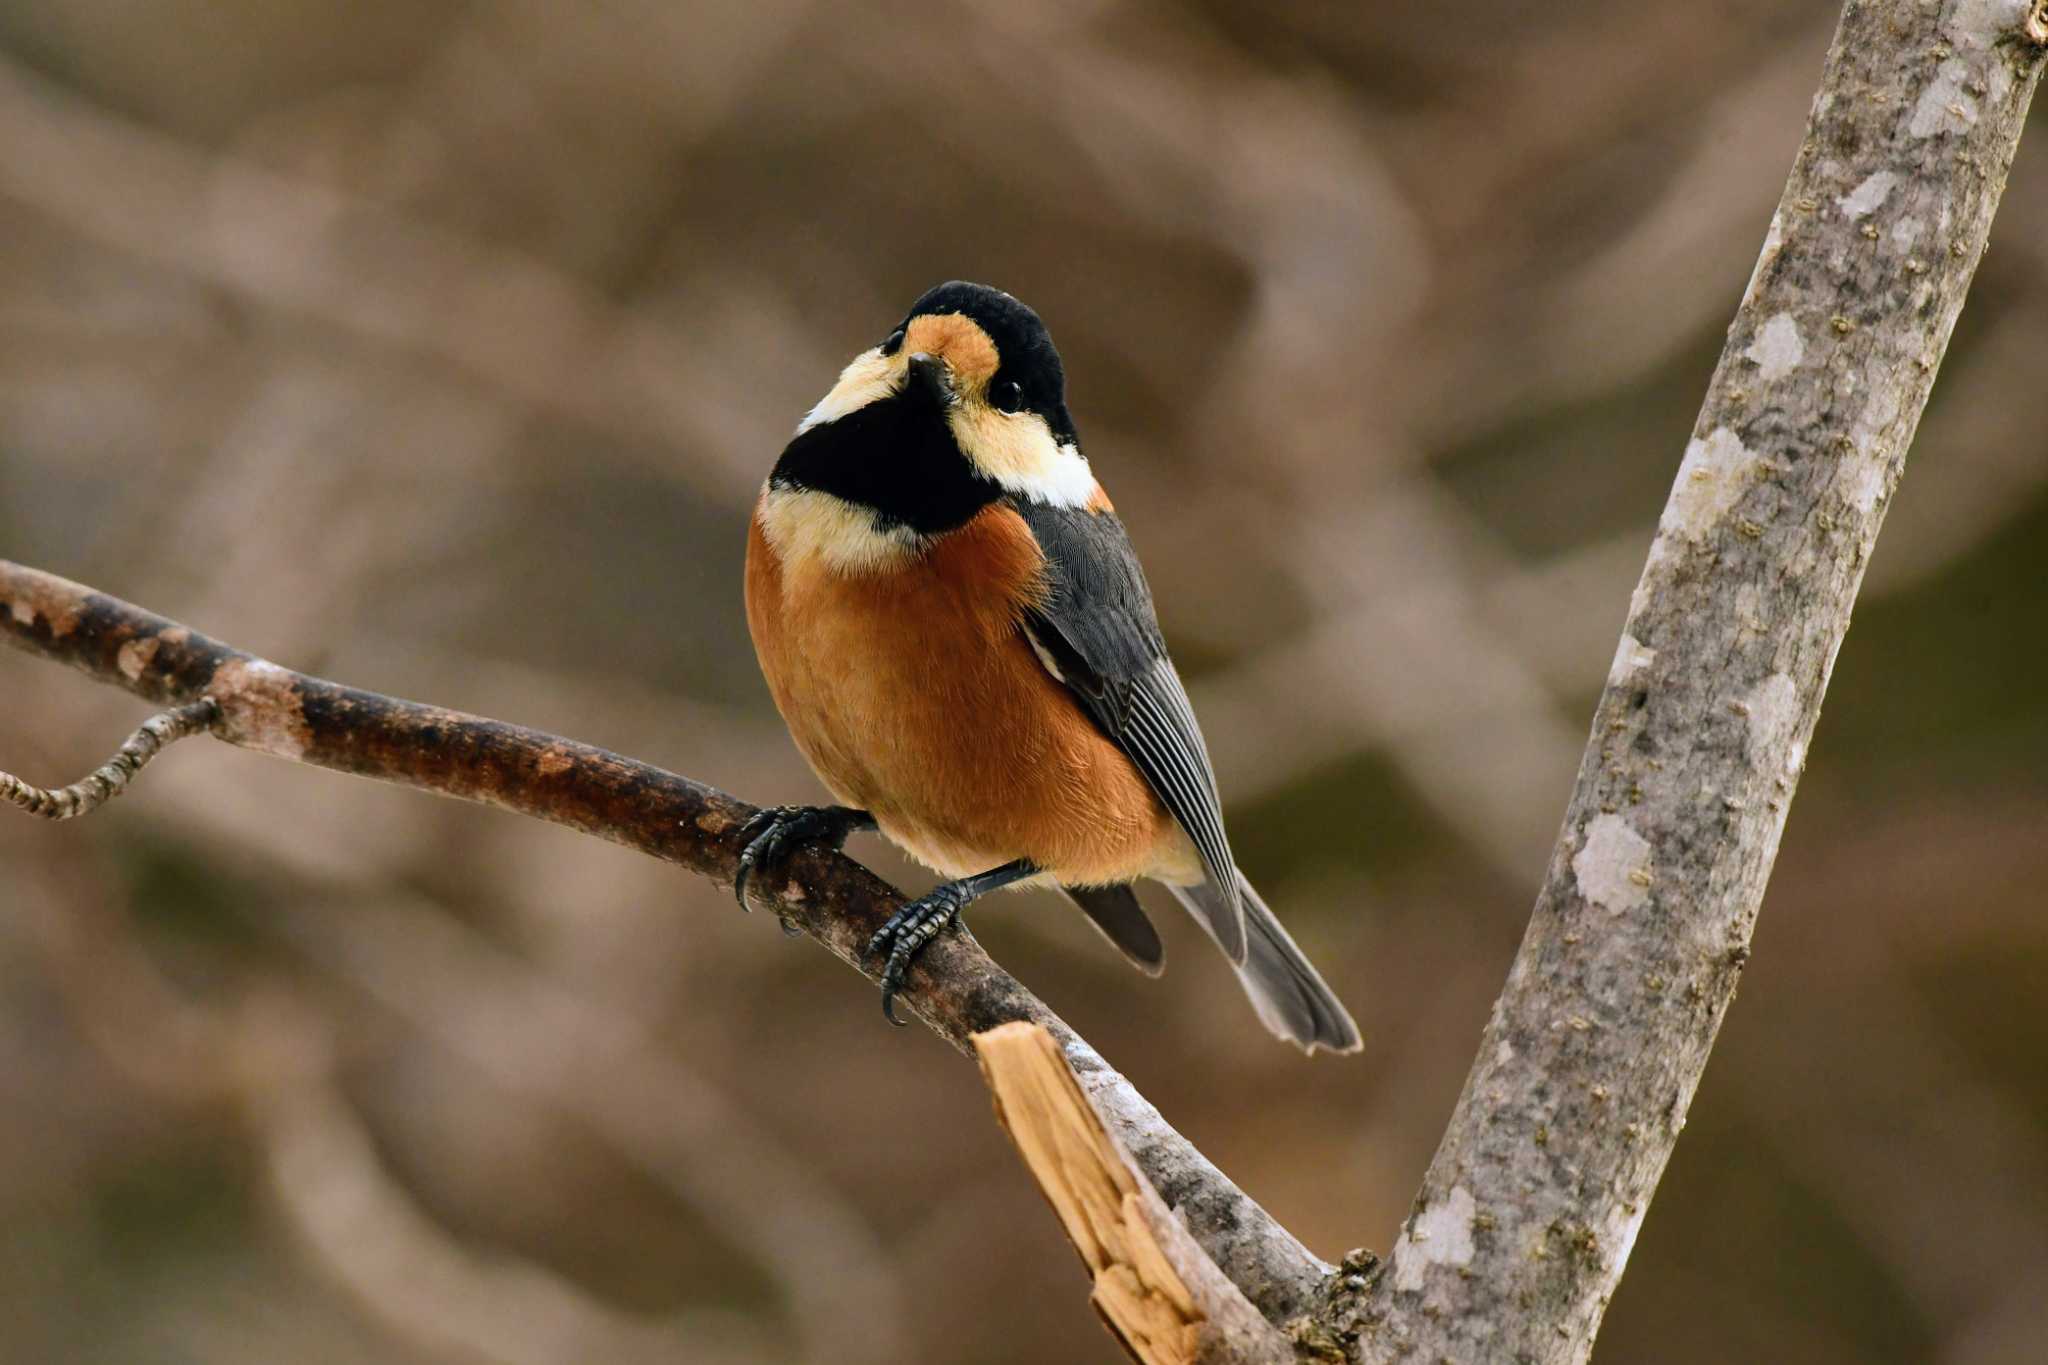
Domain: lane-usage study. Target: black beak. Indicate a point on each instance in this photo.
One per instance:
(930, 377)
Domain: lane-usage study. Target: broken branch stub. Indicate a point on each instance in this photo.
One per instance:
(955, 987)
(1155, 1289)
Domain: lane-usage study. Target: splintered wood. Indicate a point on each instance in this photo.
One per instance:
(1111, 1214)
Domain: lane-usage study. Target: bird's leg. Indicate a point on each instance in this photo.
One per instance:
(774, 830)
(919, 922)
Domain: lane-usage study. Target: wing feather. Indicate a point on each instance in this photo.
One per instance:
(1097, 632)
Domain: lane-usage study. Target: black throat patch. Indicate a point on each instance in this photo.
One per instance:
(897, 458)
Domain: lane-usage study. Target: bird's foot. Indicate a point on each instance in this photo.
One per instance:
(906, 933)
(775, 830)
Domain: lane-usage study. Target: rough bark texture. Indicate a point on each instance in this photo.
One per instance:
(111, 778)
(1586, 1071)
(1585, 1074)
(956, 988)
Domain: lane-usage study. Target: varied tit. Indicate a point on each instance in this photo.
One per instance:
(958, 634)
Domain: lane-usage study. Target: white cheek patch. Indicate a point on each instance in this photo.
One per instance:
(805, 527)
(867, 378)
(1072, 483)
(1017, 450)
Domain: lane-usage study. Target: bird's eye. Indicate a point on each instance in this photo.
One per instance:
(894, 343)
(1008, 396)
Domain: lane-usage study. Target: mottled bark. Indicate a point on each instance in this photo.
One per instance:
(956, 988)
(1584, 1076)
(1525, 1220)
(111, 778)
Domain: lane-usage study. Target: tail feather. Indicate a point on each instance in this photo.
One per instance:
(1290, 997)
(1115, 911)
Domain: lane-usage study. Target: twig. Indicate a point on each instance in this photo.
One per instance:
(1525, 1221)
(955, 988)
(111, 778)
(359, 1228)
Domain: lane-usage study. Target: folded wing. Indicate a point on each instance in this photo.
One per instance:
(1097, 632)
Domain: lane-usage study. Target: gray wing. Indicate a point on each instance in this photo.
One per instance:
(1098, 633)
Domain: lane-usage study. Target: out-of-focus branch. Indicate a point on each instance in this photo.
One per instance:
(600, 1068)
(266, 1054)
(362, 1231)
(1525, 1221)
(956, 989)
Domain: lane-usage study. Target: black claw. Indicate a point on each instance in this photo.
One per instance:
(906, 934)
(771, 832)
(756, 832)
(878, 943)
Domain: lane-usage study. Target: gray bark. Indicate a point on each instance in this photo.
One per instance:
(1526, 1218)
(1584, 1076)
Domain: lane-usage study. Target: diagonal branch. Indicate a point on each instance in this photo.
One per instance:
(955, 988)
(1526, 1218)
(1585, 1074)
(111, 778)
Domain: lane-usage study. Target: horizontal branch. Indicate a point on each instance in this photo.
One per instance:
(955, 988)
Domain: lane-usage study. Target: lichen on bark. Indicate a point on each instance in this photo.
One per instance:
(1639, 934)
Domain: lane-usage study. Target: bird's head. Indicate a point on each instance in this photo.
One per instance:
(962, 403)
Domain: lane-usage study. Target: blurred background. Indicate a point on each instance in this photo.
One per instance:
(440, 347)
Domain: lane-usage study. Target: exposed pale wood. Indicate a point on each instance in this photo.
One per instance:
(1525, 1221)
(955, 988)
(1159, 1294)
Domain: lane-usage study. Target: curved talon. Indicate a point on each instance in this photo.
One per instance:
(770, 831)
(758, 831)
(905, 935)
(889, 1008)
(893, 977)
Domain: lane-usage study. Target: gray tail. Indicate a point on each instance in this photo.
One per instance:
(1291, 998)
(1116, 912)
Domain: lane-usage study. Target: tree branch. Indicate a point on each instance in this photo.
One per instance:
(1161, 1297)
(955, 988)
(1585, 1073)
(111, 778)
(1587, 1069)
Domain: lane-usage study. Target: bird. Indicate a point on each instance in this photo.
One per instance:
(957, 633)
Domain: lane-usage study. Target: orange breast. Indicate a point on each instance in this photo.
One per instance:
(914, 694)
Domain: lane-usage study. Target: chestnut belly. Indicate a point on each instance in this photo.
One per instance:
(915, 695)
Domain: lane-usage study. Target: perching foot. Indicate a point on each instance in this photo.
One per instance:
(774, 831)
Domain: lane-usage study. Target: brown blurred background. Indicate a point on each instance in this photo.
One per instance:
(439, 348)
